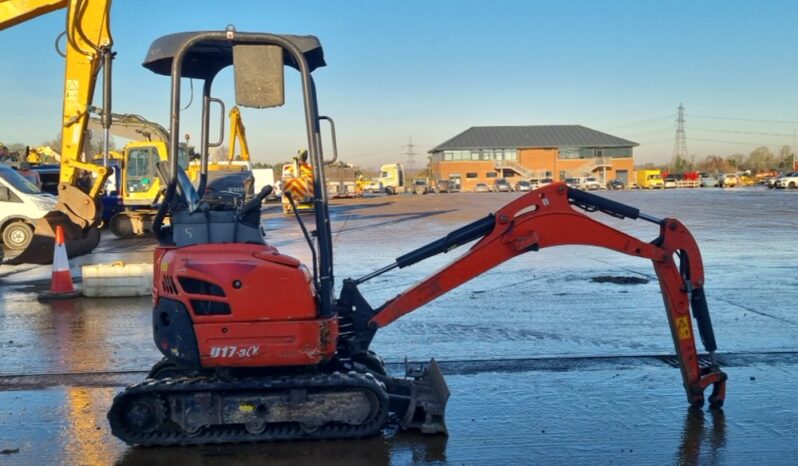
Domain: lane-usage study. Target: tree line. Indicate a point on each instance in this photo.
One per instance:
(759, 160)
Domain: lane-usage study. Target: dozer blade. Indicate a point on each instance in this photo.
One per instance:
(428, 397)
(78, 241)
(134, 224)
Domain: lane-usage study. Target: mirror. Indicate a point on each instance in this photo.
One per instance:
(259, 75)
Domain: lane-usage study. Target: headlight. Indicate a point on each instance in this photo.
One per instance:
(44, 204)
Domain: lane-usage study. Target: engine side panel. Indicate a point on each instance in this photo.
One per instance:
(267, 344)
(238, 305)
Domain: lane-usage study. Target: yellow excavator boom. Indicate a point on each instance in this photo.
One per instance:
(13, 12)
(87, 50)
(237, 134)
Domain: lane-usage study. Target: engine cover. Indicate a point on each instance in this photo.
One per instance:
(247, 305)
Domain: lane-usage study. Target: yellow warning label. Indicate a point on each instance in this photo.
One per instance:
(71, 93)
(164, 266)
(683, 327)
(246, 408)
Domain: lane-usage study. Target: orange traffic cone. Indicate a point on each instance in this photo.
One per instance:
(61, 281)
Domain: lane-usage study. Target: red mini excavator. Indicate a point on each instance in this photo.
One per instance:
(255, 345)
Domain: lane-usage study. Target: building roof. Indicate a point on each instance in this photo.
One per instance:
(495, 137)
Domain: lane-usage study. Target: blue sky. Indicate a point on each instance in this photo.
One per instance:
(431, 69)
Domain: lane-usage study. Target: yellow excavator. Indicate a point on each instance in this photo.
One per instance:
(42, 154)
(87, 51)
(139, 187)
(238, 134)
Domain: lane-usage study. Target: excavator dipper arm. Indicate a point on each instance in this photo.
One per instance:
(546, 217)
(87, 51)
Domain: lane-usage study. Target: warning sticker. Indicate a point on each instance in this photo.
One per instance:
(71, 90)
(683, 327)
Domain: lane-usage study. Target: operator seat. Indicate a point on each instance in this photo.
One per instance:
(194, 221)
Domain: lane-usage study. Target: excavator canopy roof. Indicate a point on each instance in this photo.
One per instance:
(206, 58)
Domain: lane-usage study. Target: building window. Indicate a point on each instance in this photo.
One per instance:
(569, 153)
(471, 175)
(620, 152)
(548, 173)
(482, 154)
(490, 174)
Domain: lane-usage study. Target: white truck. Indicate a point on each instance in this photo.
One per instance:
(590, 183)
(392, 179)
(263, 177)
(21, 204)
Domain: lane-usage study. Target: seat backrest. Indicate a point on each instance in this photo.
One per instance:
(215, 226)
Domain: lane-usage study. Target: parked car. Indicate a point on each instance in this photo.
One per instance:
(523, 186)
(544, 182)
(375, 186)
(670, 183)
(442, 186)
(729, 180)
(420, 186)
(21, 204)
(572, 182)
(615, 185)
(481, 188)
(591, 183)
(709, 181)
(500, 185)
(770, 182)
(789, 180)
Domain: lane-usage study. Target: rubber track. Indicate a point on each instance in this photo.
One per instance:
(234, 433)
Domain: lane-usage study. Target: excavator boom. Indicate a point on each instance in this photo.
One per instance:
(237, 134)
(544, 218)
(87, 50)
(13, 12)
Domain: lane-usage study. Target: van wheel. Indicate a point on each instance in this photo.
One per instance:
(17, 235)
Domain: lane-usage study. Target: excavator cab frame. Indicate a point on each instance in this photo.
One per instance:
(202, 55)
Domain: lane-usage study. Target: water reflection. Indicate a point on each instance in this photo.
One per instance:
(696, 435)
(78, 338)
(86, 436)
(392, 448)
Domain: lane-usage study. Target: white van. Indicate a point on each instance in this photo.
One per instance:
(21, 204)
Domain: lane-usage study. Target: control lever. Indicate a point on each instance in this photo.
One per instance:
(256, 201)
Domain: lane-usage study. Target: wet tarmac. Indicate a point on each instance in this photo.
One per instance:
(546, 364)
